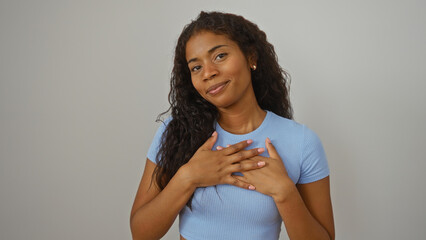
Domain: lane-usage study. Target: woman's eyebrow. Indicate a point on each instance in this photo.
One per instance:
(209, 51)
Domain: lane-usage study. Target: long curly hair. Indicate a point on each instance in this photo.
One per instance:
(192, 117)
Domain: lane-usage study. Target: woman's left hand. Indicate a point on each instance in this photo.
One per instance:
(272, 179)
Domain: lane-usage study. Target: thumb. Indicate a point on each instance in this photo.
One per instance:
(208, 145)
(271, 149)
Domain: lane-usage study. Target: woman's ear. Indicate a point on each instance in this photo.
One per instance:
(252, 59)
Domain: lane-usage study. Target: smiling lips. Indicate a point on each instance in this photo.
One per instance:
(213, 90)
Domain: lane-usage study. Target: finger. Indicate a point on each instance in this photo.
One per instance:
(237, 147)
(245, 166)
(241, 178)
(233, 180)
(259, 158)
(221, 148)
(208, 145)
(245, 154)
(271, 149)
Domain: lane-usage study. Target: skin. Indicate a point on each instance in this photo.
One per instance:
(305, 209)
(238, 109)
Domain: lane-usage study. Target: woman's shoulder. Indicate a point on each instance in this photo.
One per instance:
(156, 141)
(164, 122)
(289, 126)
(277, 121)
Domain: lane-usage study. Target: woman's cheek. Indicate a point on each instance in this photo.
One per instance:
(197, 88)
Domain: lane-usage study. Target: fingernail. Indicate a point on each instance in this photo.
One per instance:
(249, 141)
(251, 187)
(268, 140)
(219, 148)
(260, 150)
(260, 164)
(228, 145)
(214, 133)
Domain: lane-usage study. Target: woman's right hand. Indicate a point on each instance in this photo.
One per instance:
(207, 167)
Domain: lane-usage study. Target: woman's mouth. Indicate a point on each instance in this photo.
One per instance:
(215, 89)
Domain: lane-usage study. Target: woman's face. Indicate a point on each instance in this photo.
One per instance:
(219, 70)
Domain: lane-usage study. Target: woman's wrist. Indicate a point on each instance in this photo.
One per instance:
(185, 178)
(285, 191)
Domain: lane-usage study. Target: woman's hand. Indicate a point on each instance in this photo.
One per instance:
(207, 167)
(272, 179)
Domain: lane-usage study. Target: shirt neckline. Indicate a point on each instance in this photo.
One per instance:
(254, 132)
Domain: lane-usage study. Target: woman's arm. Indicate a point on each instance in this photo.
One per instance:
(154, 212)
(308, 214)
(306, 210)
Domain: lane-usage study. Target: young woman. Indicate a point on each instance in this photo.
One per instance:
(229, 160)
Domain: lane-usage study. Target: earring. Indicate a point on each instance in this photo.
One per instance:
(253, 67)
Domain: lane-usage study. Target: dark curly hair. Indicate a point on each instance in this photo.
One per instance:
(192, 117)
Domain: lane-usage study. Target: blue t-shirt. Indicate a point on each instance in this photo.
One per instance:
(229, 212)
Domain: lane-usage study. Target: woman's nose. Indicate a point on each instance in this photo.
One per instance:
(210, 71)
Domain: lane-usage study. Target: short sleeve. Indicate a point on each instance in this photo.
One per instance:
(314, 164)
(156, 142)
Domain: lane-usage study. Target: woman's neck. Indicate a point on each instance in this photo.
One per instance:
(242, 120)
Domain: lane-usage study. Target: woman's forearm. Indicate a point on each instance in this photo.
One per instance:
(299, 222)
(155, 218)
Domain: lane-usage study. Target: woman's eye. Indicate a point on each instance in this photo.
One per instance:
(220, 56)
(196, 68)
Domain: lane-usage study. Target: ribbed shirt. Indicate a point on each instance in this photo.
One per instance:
(229, 212)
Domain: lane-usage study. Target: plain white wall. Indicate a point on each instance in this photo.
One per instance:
(83, 81)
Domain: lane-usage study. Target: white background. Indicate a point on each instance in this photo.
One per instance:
(83, 81)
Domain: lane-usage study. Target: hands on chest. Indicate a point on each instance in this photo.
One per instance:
(267, 175)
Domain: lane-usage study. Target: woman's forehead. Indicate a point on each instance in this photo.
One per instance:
(201, 43)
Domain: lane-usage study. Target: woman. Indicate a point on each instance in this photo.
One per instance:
(229, 160)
